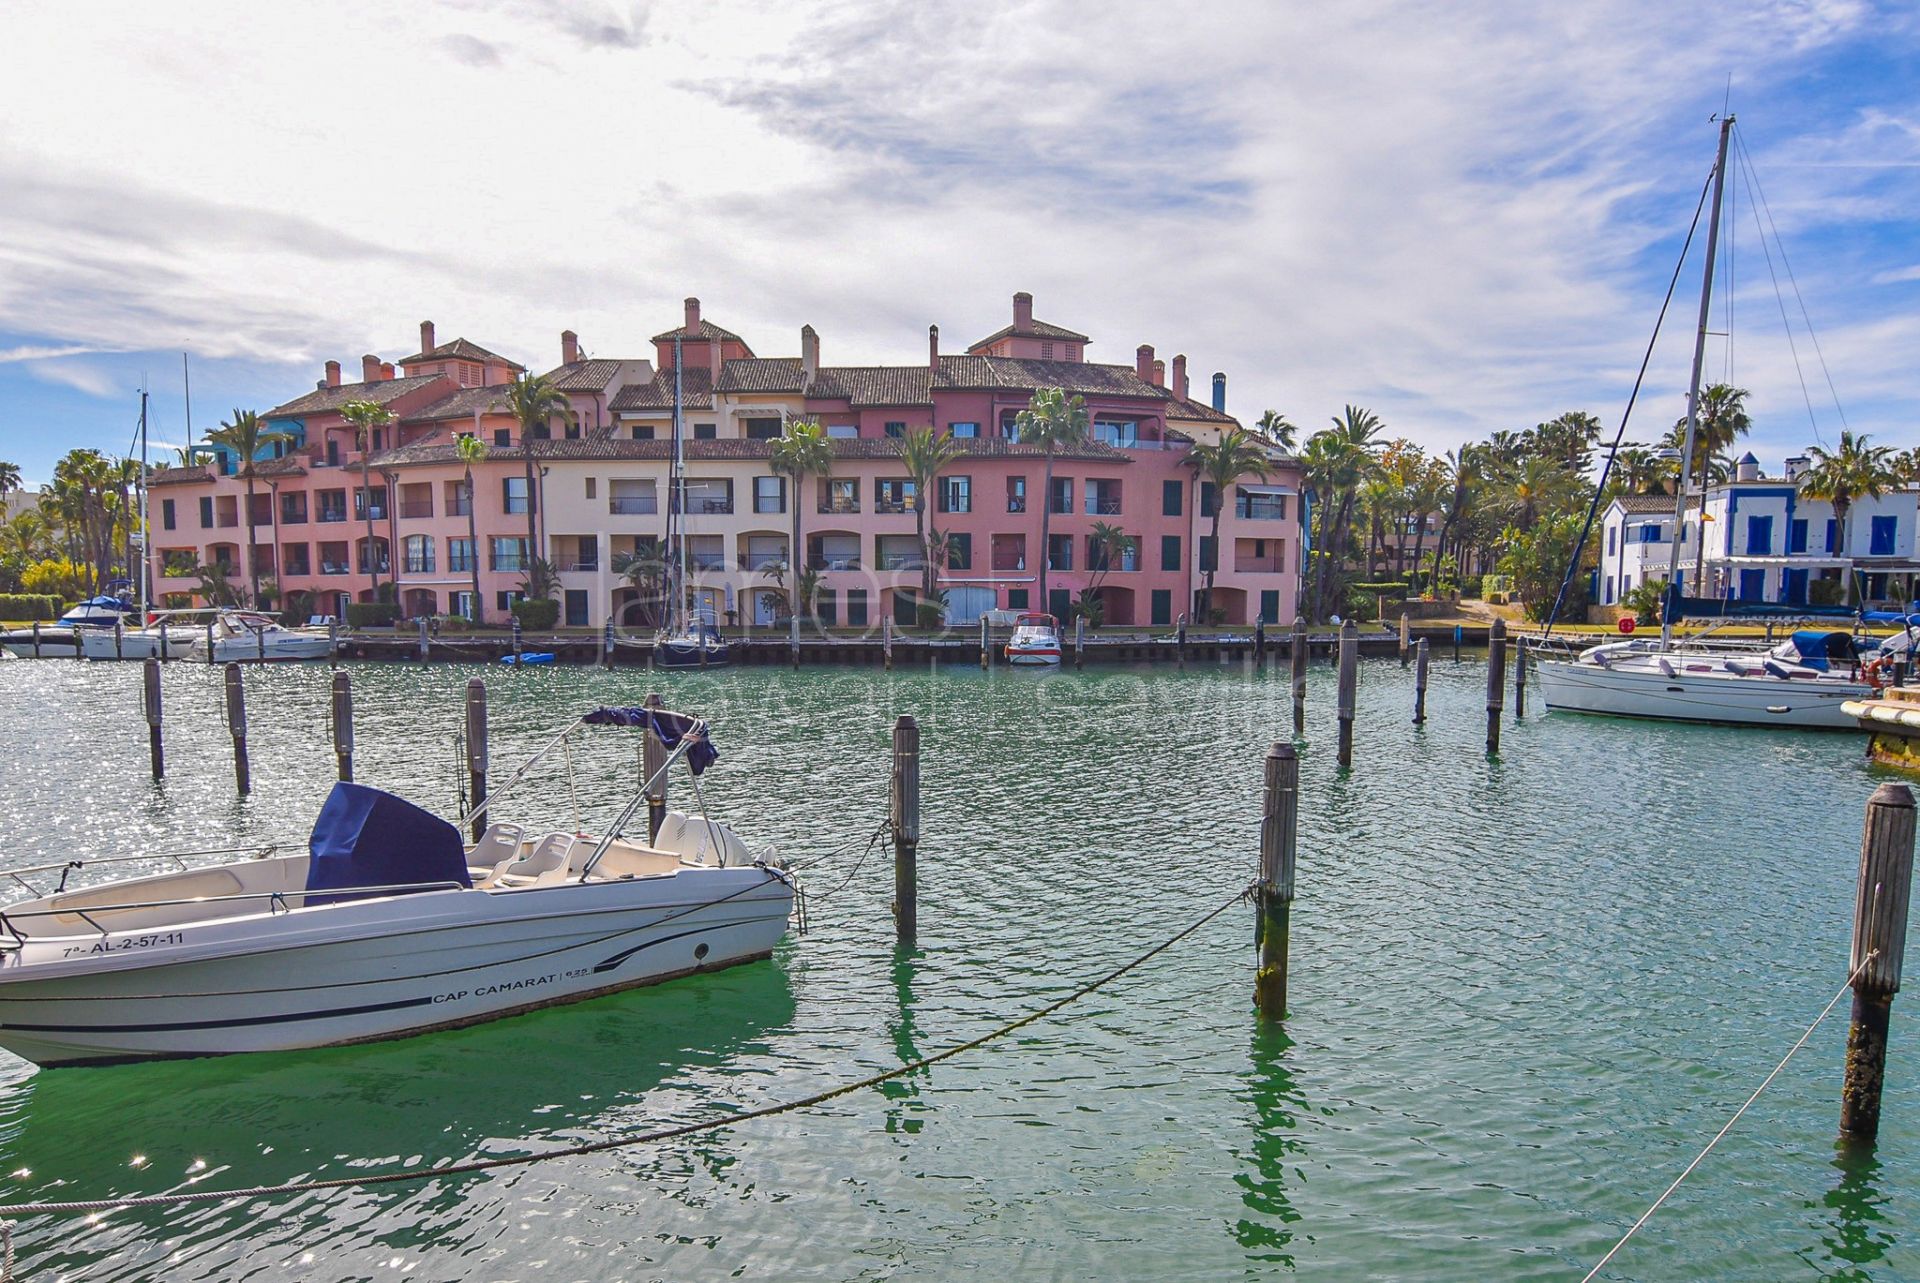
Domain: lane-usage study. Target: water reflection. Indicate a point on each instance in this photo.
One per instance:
(1266, 1232)
(904, 1092)
(1856, 1225)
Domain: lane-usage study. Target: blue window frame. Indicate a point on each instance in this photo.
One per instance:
(1759, 536)
(1832, 531)
(1753, 585)
(1797, 535)
(1880, 536)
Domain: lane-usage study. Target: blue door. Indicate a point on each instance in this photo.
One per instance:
(1753, 585)
(1796, 587)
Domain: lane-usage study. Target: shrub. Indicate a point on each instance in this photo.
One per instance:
(1826, 592)
(454, 624)
(1644, 601)
(28, 607)
(930, 614)
(371, 614)
(537, 613)
(54, 576)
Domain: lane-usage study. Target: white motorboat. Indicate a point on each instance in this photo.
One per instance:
(1035, 640)
(242, 635)
(170, 634)
(42, 642)
(389, 926)
(100, 612)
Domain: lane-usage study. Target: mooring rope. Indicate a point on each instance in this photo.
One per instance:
(12, 1210)
(1719, 1135)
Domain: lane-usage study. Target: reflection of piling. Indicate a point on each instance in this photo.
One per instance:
(793, 639)
(237, 727)
(1519, 678)
(477, 752)
(906, 828)
(653, 760)
(1879, 944)
(1406, 642)
(1496, 681)
(513, 626)
(343, 724)
(1279, 832)
(1349, 683)
(151, 703)
(210, 655)
(1420, 683)
(1297, 657)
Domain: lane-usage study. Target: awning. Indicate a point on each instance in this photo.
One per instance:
(670, 727)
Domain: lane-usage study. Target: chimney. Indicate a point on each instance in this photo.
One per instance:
(1159, 373)
(1180, 376)
(426, 336)
(1796, 466)
(386, 369)
(809, 355)
(933, 349)
(693, 314)
(1143, 362)
(569, 347)
(1220, 391)
(333, 374)
(1022, 313)
(369, 368)
(1747, 468)
(713, 361)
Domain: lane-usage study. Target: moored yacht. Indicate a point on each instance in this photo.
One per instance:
(1035, 640)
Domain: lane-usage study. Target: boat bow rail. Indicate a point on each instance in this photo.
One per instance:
(276, 901)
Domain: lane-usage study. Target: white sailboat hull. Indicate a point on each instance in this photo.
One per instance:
(136, 644)
(1812, 704)
(376, 968)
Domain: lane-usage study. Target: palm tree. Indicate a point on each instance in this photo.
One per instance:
(1638, 470)
(534, 402)
(363, 417)
(645, 570)
(470, 450)
(1720, 419)
(9, 480)
(1054, 421)
(1274, 427)
(925, 456)
(244, 434)
(803, 452)
(1338, 460)
(1855, 470)
(1220, 465)
(1107, 546)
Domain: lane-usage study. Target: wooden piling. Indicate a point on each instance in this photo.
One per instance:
(260, 643)
(1406, 639)
(1496, 682)
(1080, 642)
(151, 703)
(1420, 683)
(1180, 640)
(119, 640)
(333, 640)
(1879, 943)
(36, 639)
(1457, 631)
(477, 752)
(1297, 657)
(1519, 678)
(237, 728)
(343, 724)
(1279, 835)
(886, 642)
(606, 644)
(793, 639)
(1260, 641)
(210, 658)
(653, 756)
(1349, 683)
(513, 626)
(425, 644)
(906, 828)
(986, 646)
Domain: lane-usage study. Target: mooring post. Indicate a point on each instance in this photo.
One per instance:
(424, 643)
(1879, 943)
(906, 828)
(1080, 642)
(343, 724)
(1297, 657)
(1420, 683)
(793, 638)
(1260, 641)
(886, 642)
(653, 757)
(1180, 639)
(152, 704)
(260, 642)
(986, 646)
(36, 639)
(210, 656)
(1496, 682)
(1349, 680)
(1519, 678)
(119, 640)
(1279, 834)
(606, 644)
(1457, 631)
(513, 625)
(333, 639)
(1406, 639)
(477, 752)
(237, 727)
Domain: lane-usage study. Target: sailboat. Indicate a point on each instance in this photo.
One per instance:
(689, 638)
(1802, 682)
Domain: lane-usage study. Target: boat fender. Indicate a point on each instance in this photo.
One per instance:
(1626, 624)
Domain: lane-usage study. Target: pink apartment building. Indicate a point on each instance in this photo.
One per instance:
(601, 484)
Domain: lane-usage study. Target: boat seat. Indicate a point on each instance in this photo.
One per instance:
(545, 865)
(498, 847)
(698, 841)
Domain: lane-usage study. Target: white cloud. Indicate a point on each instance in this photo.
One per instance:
(77, 375)
(41, 352)
(1443, 212)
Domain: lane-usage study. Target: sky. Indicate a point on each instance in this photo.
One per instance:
(1462, 215)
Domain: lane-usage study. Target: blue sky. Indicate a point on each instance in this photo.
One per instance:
(1460, 215)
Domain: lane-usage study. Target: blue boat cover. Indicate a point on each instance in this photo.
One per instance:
(670, 727)
(366, 838)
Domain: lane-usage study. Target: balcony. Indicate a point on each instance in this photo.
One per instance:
(419, 565)
(820, 561)
(840, 506)
(333, 514)
(581, 567)
(459, 507)
(365, 570)
(298, 569)
(1016, 503)
(698, 504)
(1260, 509)
(379, 513)
(892, 505)
(1097, 507)
(633, 507)
(708, 561)
(763, 560)
(903, 561)
(333, 568)
(290, 517)
(227, 520)
(1009, 561)
(1271, 564)
(414, 509)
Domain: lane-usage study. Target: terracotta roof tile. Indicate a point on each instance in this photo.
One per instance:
(462, 404)
(761, 374)
(705, 330)
(459, 350)
(1037, 330)
(1652, 503)
(601, 445)
(589, 376)
(696, 391)
(178, 476)
(875, 384)
(1196, 411)
(329, 400)
(1021, 375)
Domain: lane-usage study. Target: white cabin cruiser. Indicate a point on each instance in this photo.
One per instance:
(168, 634)
(241, 635)
(389, 926)
(1035, 640)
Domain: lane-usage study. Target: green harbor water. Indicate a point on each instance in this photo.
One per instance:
(1524, 993)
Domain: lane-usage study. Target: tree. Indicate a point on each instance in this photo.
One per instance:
(9, 480)
(1337, 461)
(1720, 420)
(1854, 470)
(803, 452)
(1274, 426)
(1107, 546)
(1638, 470)
(925, 456)
(1054, 421)
(645, 570)
(245, 435)
(470, 450)
(534, 402)
(1221, 465)
(363, 417)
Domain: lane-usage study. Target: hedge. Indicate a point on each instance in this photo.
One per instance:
(371, 614)
(537, 613)
(29, 606)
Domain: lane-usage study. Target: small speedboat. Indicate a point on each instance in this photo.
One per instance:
(238, 636)
(389, 925)
(1035, 640)
(101, 612)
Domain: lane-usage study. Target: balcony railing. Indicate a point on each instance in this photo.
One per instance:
(1016, 503)
(1097, 507)
(1003, 562)
(1258, 565)
(512, 564)
(632, 506)
(289, 517)
(903, 561)
(578, 567)
(333, 568)
(333, 514)
(226, 520)
(460, 565)
(298, 570)
(458, 506)
(839, 505)
(419, 565)
(709, 562)
(1259, 511)
(366, 571)
(892, 505)
(761, 560)
(413, 509)
(820, 561)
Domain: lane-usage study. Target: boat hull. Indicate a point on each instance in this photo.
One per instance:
(376, 969)
(1575, 687)
(101, 644)
(286, 646)
(54, 643)
(1032, 657)
(677, 655)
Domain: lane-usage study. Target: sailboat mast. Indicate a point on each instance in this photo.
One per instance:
(1693, 399)
(677, 494)
(146, 558)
